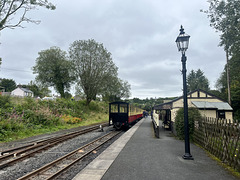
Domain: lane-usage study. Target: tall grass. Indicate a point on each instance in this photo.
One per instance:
(24, 117)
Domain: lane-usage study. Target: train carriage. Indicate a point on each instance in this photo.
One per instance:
(122, 114)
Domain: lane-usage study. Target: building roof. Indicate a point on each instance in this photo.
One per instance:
(203, 105)
(212, 105)
(26, 90)
(222, 106)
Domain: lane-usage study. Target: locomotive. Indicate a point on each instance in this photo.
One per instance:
(122, 114)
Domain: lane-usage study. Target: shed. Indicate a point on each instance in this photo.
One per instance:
(22, 92)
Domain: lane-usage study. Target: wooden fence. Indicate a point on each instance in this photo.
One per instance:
(221, 138)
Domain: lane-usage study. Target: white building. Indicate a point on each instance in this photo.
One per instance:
(22, 92)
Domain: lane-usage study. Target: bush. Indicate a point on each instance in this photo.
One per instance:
(42, 116)
(9, 127)
(93, 106)
(5, 102)
(193, 115)
(29, 103)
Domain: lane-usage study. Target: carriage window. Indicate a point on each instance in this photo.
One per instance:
(123, 108)
(131, 110)
(114, 108)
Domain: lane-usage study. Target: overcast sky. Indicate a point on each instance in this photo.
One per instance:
(140, 34)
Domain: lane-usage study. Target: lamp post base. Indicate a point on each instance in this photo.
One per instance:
(187, 156)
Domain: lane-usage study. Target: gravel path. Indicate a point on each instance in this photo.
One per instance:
(28, 165)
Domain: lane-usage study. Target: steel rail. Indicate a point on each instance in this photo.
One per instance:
(72, 158)
(45, 140)
(40, 146)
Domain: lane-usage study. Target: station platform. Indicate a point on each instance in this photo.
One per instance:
(138, 155)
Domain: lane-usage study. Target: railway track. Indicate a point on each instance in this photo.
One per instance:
(55, 168)
(14, 155)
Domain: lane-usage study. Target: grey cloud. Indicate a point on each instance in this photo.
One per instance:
(140, 35)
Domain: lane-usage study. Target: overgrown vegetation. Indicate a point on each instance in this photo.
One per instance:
(193, 115)
(24, 117)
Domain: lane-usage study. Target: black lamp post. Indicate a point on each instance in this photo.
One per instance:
(182, 44)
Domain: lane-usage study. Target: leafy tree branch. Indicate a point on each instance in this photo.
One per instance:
(9, 9)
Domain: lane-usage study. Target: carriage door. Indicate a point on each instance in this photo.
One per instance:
(123, 113)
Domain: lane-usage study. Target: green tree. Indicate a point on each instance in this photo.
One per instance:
(221, 85)
(224, 16)
(197, 80)
(94, 67)
(235, 87)
(218, 94)
(138, 101)
(124, 89)
(115, 90)
(53, 69)
(11, 8)
(8, 84)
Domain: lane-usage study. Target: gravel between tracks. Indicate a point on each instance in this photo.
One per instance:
(76, 168)
(20, 169)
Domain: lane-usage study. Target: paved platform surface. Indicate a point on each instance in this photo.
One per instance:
(138, 155)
